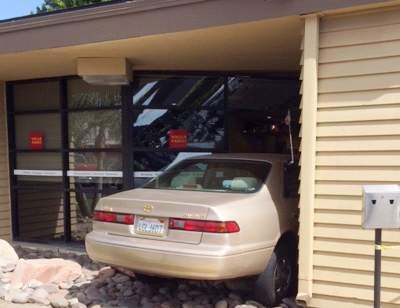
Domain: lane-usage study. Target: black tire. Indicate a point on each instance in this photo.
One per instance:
(278, 279)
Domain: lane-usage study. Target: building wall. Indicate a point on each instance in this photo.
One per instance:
(5, 215)
(357, 142)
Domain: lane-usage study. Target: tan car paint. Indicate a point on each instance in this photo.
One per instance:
(263, 217)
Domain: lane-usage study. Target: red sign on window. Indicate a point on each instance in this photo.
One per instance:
(177, 138)
(36, 141)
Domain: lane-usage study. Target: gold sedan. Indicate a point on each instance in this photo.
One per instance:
(212, 217)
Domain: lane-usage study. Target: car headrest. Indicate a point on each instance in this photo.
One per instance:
(243, 184)
(182, 180)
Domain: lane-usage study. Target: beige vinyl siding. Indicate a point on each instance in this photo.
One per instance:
(357, 142)
(5, 216)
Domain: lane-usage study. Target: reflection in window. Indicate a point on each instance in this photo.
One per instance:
(86, 165)
(84, 95)
(149, 164)
(36, 96)
(82, 205)
(176, 91)
(148, 116)
(157, 161)
(99, 161)
(258, 114)
(95, 129)
(274, 96)
(40, 182)
(204, 128)
(39, 161)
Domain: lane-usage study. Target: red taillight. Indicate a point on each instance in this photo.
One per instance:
(204, 225)
(127, 219)
(105, 216)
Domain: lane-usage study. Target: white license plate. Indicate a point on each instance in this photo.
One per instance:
(150, 226)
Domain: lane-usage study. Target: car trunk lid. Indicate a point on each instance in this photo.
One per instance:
(156, 207)
(152, 210)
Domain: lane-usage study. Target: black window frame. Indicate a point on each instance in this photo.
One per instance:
(63, 111)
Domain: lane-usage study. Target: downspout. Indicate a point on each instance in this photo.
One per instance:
(308, 155)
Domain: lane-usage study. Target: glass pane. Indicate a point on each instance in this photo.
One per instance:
(258, 114)
(253, 131)
(94, 182)
(179, 91)
(202, 129)
(213, 175)
(274, 96)
(98, 171)
(41, 213)
(39, 161)
(99, 161)
(37, 96)
(40, 182)
(82, 206)
(84, 95)
(148, 164)
(95, 129)
(48, 125)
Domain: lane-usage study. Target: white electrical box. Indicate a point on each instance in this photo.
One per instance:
(381, 207)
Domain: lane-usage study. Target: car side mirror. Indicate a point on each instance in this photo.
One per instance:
(291, 180)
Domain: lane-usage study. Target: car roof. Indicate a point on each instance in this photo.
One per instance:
(264, 157)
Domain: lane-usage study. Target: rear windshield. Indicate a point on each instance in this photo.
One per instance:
(213, 175)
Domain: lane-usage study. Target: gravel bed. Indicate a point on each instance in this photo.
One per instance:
(102, 286)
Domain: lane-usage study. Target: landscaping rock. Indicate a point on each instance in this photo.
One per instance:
(78, 305)
(221, 304)
(50, 288)
(58, 301)
(46, 271)
(3, 292)
(119, 278)
(255, 304)
(7, 254)
(182, 296)
(39, 296)
(106, 272)
(20, 296)
(93, 293)
(127, 293)
(34, 284)
(8, 268)
(65, 285)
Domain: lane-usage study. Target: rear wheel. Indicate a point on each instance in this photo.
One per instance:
(277, 281)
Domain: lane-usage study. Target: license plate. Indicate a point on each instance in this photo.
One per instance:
(150, 226)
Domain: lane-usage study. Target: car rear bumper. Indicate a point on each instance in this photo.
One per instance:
(171, 263)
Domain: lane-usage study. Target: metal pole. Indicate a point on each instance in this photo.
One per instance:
(377, 274)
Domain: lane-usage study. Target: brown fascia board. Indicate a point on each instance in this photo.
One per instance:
(147, 17)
